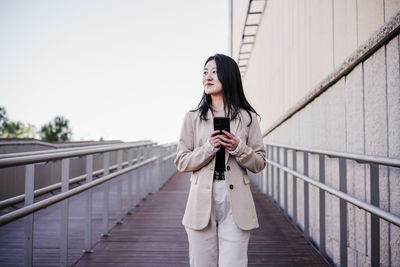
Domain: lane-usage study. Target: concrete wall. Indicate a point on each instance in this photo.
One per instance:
(298, 45)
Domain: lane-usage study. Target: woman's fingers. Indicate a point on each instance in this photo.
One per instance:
(214, 133)
(232, 141)
(230, 135)
(228, 141)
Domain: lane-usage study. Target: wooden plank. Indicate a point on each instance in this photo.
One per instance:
(152, 235)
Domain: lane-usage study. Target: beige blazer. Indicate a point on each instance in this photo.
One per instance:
(194, 155)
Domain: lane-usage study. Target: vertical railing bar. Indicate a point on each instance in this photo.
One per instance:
(375, 227)
(322, 230)
(143, 175)
(130, 177)
(88, 210)
(306, 198)
(272, 175)
(278, 177)
(148, 172)
(294, 163)
(285, 183)
(138, 176)
(153, 182)
(119, 188)
(64, 213)
(267, 172)
(29, 219)
(106, 195)
(343, 212)
(159, 173)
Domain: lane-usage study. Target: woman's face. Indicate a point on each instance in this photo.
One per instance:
(211, 84)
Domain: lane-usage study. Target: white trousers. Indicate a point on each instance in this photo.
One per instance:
(221, 242)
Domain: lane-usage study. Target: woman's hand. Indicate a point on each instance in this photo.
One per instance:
(229, 142)
(214, 139)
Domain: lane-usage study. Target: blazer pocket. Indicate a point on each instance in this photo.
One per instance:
(246, 179)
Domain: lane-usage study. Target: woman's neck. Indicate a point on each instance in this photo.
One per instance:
(217, 102)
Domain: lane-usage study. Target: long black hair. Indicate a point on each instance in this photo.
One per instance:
(232, 89)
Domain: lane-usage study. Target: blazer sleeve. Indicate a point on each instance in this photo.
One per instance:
(190, 158)
(252, 155)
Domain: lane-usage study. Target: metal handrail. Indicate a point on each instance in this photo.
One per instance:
(41, 191)
(169, 156)
(372, 206)
(55, 150)
(393, 162)
(361, 204)
(151, 173)
(14, 215)
(15, 161)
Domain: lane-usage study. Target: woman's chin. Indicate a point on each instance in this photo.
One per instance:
(211, 92)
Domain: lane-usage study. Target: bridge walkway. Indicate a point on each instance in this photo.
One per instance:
(154, 236)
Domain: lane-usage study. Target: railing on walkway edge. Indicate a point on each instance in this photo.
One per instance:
(262, 180)
(151, 174)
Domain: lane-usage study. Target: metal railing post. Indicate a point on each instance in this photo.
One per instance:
(278, 177)
(343, 212)
(106, 195)
(322, 230)
(29, 219)
(138, 177)
(153, 168)
(119, 188)
(375, 227)
(273, 175)
(164, 165)
(148, 171)
(285, 182)
(88, 210)
(64, 213)
(268, 176)
(143, 176)
(159, 173)
(130, 177)
(294, 188)
(306, 198)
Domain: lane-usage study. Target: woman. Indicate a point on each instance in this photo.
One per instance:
(220, 209)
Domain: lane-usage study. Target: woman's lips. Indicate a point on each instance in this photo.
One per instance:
(209, 84)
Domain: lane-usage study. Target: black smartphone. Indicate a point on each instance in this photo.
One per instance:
(221, 123)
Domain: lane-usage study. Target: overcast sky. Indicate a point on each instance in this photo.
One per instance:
(126, 70)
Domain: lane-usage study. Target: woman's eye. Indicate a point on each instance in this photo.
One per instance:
(205, 73)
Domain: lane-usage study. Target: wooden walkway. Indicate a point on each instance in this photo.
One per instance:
(151, 236)
(154, 236)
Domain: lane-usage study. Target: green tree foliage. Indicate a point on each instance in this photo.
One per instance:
(14, 129)
(3, 117)
(56, 130)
